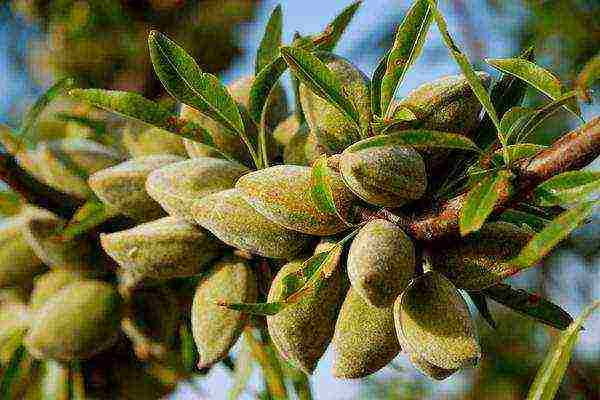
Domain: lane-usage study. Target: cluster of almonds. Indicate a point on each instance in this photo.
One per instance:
(210, 216)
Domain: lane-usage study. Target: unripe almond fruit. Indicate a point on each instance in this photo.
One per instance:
(303, 148)
(215, 328)
(176, 187)
(166, 248)
(46, 285)
(381, 262)
(79, 321)
(302, 331)
(230, 218)
(386, 176)
(430, 370)
(283, 195)
(333, 129)
(481, 259)
(365, 338)
(433, 323)
(15, 319)
(141, 141)
(123, 187)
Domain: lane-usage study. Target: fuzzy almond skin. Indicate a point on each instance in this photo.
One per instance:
(46, 285)
(333, 130)
(230, 218)
(430, 370)
(365, 338)
(176, 187)
(216, 329)
(387, 176)
(433, 323)
(141, 141)
(166, 248)
(481, 259)
(302, 331)
(123, 187)
(282, 194)
(77, 322)
(381, 262)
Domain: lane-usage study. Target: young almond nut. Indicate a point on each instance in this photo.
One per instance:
(430, 370)
(386, 176)
(227, 141)
(381, 262)
(166, 248)
(215, 328)
(69, 162)
(18, 262)
(141, 141)
(123, 187)
(481, 259)
(433, 323)
(365, 338)
(302, 331)
(176, 187)
(49, 283)
(77, 322)
(230, 218)
(303, 148)
(333, 129)
(283, 195)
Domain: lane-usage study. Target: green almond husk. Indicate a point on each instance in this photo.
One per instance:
(176, 187)
(481, 259)
(49, 283)
(303, 148)
(387, 176)
(381, 262)
(15, 319)
(166, 248)
(78, 321)
(430, 370)
(283, 195)
(433, 322)
(335, 131)
(302, 331)
(123, 187)
(230, 218)
(141, 141)
(365, 338)
(215, 328)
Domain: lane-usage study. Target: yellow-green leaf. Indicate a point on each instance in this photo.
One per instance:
(567, 188)
(271, 41)
(321, 186)
(586, 78)
(417, 138)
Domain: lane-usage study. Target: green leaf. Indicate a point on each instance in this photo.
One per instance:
(586, 78)
(10, 203)
(558, 229)
(567, 188)
(417, 138)
(466, 68)
(299, 112)
(530, 305)
(26, 133)
(188, 348)
(548, 378)
(407, 46)
(255, 308)
(271, 41)
(333, 32)
(91, 214)
(522, 218)
(184, 80)
(516, 152)
(376, 85)
(12, 372)
(321, 192)
(481, 200)
(77, 382)
(481, 304)
(55, 381)
(513, 120)
(538, 77)
(314, 73)
(243, 371)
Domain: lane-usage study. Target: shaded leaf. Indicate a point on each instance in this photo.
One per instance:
(376, 85)
(513, 120)
(407, 46)
(586, 78)
(321, 192)
(417, 138)
(296, 89)
(12, 372)
(515, 152)
(549, 376)
(184, 80)
(255, 308)
(318, 77)
(566, 188)
(269, 366)
(10, 203)
(558, 229)
(93, 213)
(188, 348)
(271, 41)
(481, 200)
(77, 382)
(531, 305)
(521, 218)
(482, 306)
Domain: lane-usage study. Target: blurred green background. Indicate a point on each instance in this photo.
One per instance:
(103, 44)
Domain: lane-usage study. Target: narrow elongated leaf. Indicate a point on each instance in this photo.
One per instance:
(244, 366)
(255, 308)
(512, 120)
(481, 201)
(184, 80)
(481, 304)
(551, 372)
(558, 229)
(10, 203)
(269, 365)
(522, 218)
(271, 41)
(538, 77)
(589, 74)
(299, 112)
(333, 32)
(25, 133)
(376, 84)
(77, 382)
(407, 46)
(321, 192)
(531, 305)
(516, 152)
(466, 68)
(12, 372)
(417, 138)
(93, 213)
(567, 188)
(188, 349)
(314, 73)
